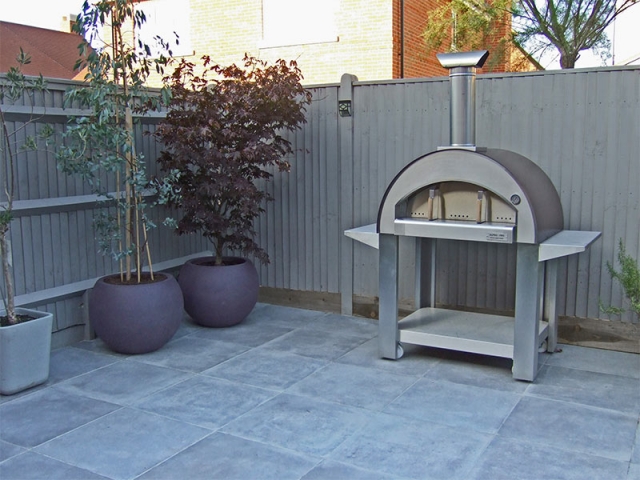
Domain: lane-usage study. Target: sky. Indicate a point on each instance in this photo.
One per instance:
(49, 13)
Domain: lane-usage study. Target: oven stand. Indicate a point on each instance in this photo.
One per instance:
(518, 338)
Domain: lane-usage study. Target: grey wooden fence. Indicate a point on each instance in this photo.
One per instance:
(581, 126)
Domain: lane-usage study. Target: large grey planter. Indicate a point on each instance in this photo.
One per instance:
(25, 350)
(139, 318)
(219, 296)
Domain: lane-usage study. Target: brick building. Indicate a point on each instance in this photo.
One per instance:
(373, 39)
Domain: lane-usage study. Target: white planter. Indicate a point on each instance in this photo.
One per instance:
(24, 352)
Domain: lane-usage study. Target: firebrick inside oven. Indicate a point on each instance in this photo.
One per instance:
(464, 192)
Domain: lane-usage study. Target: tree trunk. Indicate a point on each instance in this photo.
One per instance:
(5, 252)
(568, 60)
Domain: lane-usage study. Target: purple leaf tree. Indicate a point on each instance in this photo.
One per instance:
(223, 132)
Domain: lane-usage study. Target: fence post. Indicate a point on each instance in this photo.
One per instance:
(345, 139)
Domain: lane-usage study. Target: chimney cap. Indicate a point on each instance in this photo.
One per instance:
(463, 59)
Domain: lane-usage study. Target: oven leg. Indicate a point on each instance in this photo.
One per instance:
(550, 299)
(525, 335)
(388, 335)
(425, 273)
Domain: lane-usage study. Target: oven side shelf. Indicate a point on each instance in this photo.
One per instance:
(462, 331)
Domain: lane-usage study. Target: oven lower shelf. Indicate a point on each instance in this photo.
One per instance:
(462, 331)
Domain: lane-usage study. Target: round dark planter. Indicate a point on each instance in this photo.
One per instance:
(219, 296)
(137, 318)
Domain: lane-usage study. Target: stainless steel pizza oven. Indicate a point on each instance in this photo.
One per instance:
(469, 193)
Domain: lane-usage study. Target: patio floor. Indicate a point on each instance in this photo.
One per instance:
(299, 394)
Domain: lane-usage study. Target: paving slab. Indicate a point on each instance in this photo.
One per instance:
(123, 382)
(8, 450)
(602, 390)
(596, 360)
(353, 385)
(315, 343)
(70, 362)
(465, 406)
(569, 426)
(250, 334)
(227, 457)
(336, 470)
(37, 418)
(267, 368)
(283, 316)
(191, 354)
(204, 401)
(306, 425)
(416, 360)
(33, 466)
(124, 444)
(411, 448)
(506, 459)
(477, 370)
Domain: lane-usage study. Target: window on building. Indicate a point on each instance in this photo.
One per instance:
(294, 22)
(166, 19)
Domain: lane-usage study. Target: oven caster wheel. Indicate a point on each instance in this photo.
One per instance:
(399, 351)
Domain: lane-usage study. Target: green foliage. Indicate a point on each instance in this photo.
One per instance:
(565, 26)
(15, 88)
(223, 132)
(629, 278)
(100, 147)
(464, 25)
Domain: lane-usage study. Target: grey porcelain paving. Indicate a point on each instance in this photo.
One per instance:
(296, 394)
(266, 368)
(249, 334)
(415, 361)
(411, 448)
(636, 451)
(31, 420)
(227, 457)
(456, 405)
(478, 371)
(8, 450)
(70, 362)
(298, 423)
(595, 360)
(123, 382)
(355, 327)
(315, 343)
(336, 470)
(569, 426)
(204, 401)
(353, 385)
(588, 388)
(98, 346)
(506, 459)
(123, 444)
(282, 316)
(33, 466)
(191, 354)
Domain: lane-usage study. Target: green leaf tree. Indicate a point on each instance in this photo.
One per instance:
(566, 27)
(101, 145)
